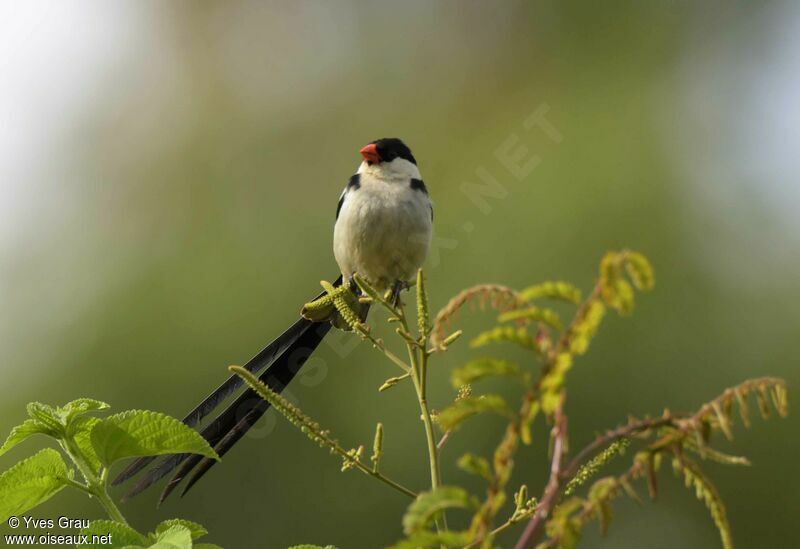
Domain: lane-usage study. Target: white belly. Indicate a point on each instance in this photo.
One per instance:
(383, 232)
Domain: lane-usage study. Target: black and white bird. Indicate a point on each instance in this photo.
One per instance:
(382, 233)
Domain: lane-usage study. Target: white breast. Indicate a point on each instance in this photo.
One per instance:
(383, 232)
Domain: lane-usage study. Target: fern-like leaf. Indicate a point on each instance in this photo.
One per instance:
(506, 334)
(707, 493)
(563, 291)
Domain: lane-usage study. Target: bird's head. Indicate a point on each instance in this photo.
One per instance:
(390, 157)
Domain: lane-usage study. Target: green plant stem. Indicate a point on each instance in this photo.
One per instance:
(418, 358)
(95, 486)
(433, 450)
(399, 487)
(419, 370)
(111, 508)
(433, 453)
(381, 347)
(78, 486)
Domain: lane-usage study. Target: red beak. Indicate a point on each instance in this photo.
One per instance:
(370, 153)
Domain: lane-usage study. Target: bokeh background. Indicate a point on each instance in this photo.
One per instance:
(170, 170)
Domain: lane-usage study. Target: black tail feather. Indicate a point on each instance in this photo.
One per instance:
(235, 421)
(224, 445)
(162, 468)
(213, 433)
(254, 365)
(263, 359)
(292, 348)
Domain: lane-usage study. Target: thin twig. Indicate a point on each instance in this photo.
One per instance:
(443, 441)
(378, 344)
(515, 519)
(535, 527)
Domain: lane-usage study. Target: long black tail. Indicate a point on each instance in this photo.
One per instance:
(280, 360)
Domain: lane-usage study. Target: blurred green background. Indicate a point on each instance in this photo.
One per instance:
(169, 178)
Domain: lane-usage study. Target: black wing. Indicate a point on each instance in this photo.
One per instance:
(355, 184)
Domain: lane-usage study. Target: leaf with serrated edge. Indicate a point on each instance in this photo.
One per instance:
(81, 431)
(197, 530)
(175, 537)
(21, 432)
(122, 535)
(31, 482)
(80, 406)
(138, 433)
(46, 415)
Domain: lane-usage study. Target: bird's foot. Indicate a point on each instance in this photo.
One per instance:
(398, 287)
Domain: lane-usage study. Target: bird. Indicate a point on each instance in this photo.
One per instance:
(382, 233)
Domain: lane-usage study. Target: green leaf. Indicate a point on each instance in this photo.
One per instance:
(122, 535)
(428, 505)
(138, 433)
(426, 538)
(21, 432)
(534, 314)
(47, 416)
(80, 429)
(50, 421)
(506, 334)
(307, 546)
(31, 482)
(215, 546)
(640, 271)
(614, 289)
(482, 368)
(527, 422)
(174, 537)
(625, 297)
(197, 530)
(585, 328)
(552, 290)
(600, 495)
(564, 526)
(451, 417)
(475, 465)
(617, 292)
(78, 407)
(707, 493)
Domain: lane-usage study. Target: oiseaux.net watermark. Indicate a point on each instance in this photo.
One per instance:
(29, 530)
